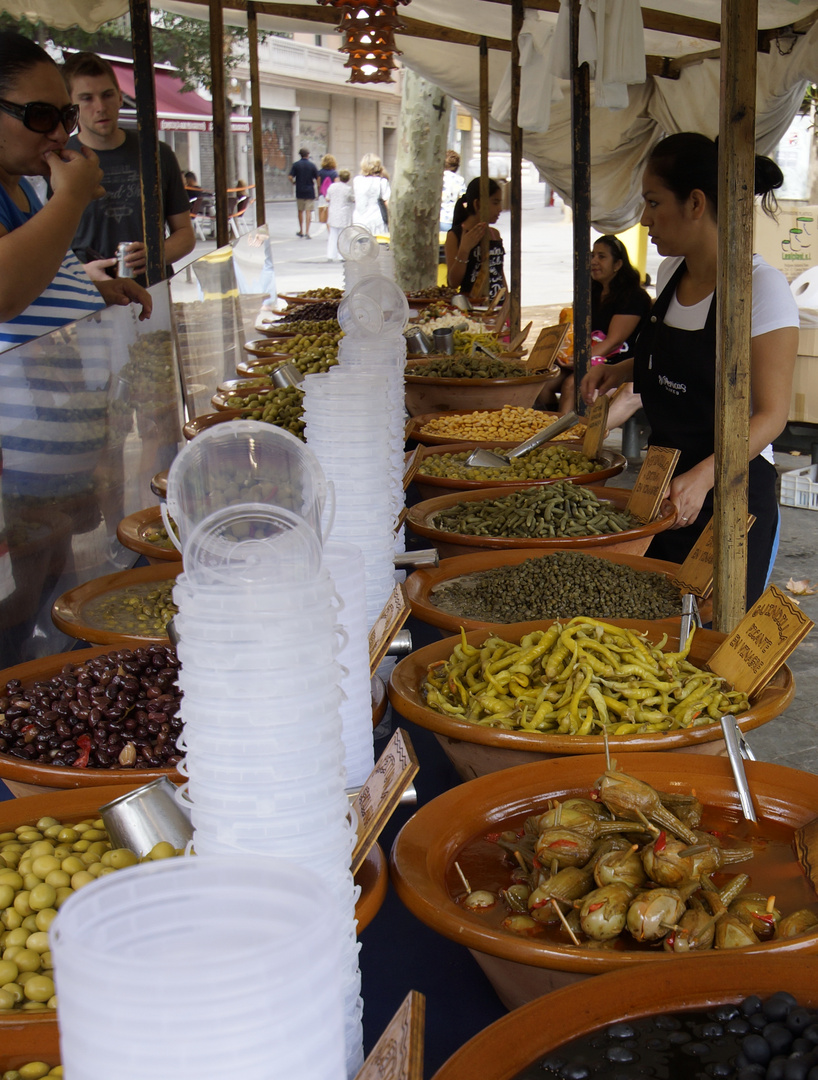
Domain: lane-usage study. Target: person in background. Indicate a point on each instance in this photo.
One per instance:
(199, 198)
(327, 173)
(463, 242)
(674, 366)
(619, 309)
(340, 208)
(454, 188)
(372, 192)
(117, 217)
(303, 175)
(42, 284)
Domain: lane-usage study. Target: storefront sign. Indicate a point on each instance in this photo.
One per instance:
(391, 619)
(696, 572)
(762, 641)
(652, 481)
(597, 426)
(549, 342)
(375, 803)
(398, 1054)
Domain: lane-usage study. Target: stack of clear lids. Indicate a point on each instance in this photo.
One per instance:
(363, 256)
(259, 640)
(201, 967)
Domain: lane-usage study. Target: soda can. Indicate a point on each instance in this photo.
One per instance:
(122, 269)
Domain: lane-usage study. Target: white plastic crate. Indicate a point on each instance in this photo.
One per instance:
(799, 488)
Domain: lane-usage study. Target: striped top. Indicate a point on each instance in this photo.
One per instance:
(70, 296)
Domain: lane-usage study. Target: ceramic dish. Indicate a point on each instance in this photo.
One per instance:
(419, 422)
(420, 584)
(29, 1037)
(431, 486)
(159, 484)
(426, 393)
(298, 298)
(263, 347)
(634, 541)
(476, 750)
(522, 968)
(68, 610)
(243, 386)
(207, 420)
(504, 1049)
(220, 399)
(131, 533)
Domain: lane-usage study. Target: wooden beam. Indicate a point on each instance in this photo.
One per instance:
(218, 92)
(153, 215)
(734, 309)
(516, 139)
(484, 162)
(255, 111)
(663, 21)
(581, 205)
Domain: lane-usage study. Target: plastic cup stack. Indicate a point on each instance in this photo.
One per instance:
(199, 968)
(360, 252)
(345, 563)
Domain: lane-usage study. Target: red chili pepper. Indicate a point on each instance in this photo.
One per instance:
(535, 862)
(596, 907)
(661, 841)
(492, 837)
(769, 919)
(85, 744)
(563, 845)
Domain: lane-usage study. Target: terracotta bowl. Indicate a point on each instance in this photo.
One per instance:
(426, 394)
(271, 330)
(242, 386)
(207, 420)
(475, 750)
(507, 1047)
(522, 968)
(68, 609)
(633, 541)
(421, 583)
(219, 399)
(419, 422)
(265, 348)
(249, 368)
(431, 486)
(29, 1037)
(33, 778)
(131, 534)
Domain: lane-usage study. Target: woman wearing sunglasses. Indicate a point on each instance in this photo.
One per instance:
(42, 284)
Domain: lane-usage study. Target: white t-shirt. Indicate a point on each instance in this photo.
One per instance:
(774, 306)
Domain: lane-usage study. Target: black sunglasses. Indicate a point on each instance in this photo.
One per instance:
(41, 117)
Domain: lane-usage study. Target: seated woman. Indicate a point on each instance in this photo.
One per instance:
(619, 310)
(463, 242)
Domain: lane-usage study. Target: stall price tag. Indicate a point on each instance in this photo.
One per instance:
(398, 1054)
(380, 795)
(543, 355)
(391, 619)
(696, 572)
(597, 426)
(750, 656)
(412, 463)
(517, 342)
(652, 482)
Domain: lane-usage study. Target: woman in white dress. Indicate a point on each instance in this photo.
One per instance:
(369, 187)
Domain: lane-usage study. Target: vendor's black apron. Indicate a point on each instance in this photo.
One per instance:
(675, 372)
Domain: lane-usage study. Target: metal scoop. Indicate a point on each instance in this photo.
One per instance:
(737, 750)
(488, 459)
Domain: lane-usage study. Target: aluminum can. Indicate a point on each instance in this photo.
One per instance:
(122, 269)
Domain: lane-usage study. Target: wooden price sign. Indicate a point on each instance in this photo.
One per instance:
(696, 572)
(543, 355)
(380, 795)
(597, 426)
(412, 463)
(398, 1054)
(391, 619)
(762, 641)
(517, 342)
(652, 482)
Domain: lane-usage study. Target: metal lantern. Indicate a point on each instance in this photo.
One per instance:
(368, 28)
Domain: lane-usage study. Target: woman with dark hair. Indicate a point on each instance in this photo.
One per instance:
(463, 243)
(674, 367)
(42, 284)
(619, 309)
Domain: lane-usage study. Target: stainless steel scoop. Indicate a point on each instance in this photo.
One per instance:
(488, 459)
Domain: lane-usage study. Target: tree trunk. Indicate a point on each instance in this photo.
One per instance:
(414, 208)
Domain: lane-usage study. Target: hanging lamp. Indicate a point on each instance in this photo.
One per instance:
(368, 29)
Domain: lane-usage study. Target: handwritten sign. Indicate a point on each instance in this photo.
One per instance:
(412, 463)
(652, 482)
(696, 572)
(375, 803)
(597, 426)
(543, 355)
(750, 656)
(391, 619)
(398, 1054)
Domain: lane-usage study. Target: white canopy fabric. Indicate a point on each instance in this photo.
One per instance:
(621, 138)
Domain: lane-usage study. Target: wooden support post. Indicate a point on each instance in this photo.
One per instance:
(516, 273)
(218, 92)
(739, 20)
(484, 158)
(255, 112)
(153, 215)
(581, 191)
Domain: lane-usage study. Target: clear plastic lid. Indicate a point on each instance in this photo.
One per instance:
(357, 244)
(374, 305)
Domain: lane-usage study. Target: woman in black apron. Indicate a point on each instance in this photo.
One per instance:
(674, 367)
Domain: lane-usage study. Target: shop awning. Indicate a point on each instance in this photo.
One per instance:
(177, 109)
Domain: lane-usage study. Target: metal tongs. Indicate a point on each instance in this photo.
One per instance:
(488, 459)
(690, 617)
(738, 751)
